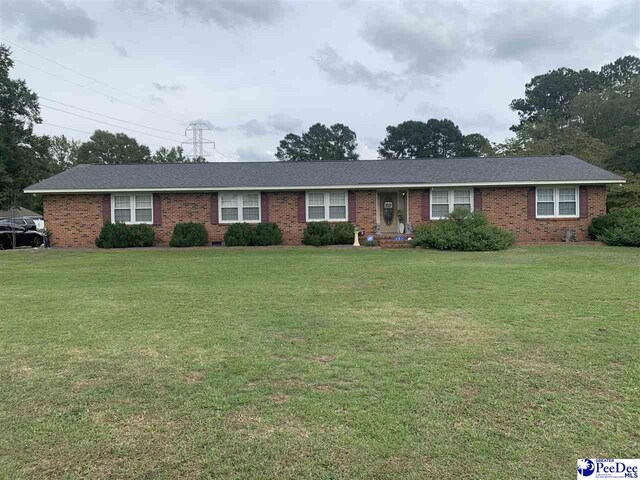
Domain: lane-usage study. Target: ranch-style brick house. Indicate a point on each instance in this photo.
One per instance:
(537, 198)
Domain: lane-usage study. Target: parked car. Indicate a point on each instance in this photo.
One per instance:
(28, 223)
(24, 237)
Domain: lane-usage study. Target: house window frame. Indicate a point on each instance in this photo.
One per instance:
(556, 201)
(132, 207)
(450, 201)
(239, 208)
(327, 206)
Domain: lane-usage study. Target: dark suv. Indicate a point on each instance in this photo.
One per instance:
(22, 236)
(23, 222)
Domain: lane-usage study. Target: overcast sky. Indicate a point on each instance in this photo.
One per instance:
(259, 69)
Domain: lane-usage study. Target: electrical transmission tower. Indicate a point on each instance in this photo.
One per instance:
(197, 140)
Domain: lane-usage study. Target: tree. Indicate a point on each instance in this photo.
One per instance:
(476, 145)
(109, 148)
(613, 116)
(174, 155)
(548, 138)
(337, 142)
(620, 74)
(549, 95)
(63, 152)
(433, 139)
(21, 153)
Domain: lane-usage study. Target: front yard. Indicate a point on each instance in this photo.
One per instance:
(327, 363)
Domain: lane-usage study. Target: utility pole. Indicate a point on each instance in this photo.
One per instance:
(197, 140)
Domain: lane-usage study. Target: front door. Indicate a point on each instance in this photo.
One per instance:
(388, 212)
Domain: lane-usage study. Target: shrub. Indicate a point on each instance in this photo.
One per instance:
(268, 234)
(620, 227)
(317, 234)
(343, 233)
(141, 235)
(240, 235)
(113, 235)
(189, 235)
(462, 231)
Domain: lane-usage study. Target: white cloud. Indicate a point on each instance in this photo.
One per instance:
(38, 20)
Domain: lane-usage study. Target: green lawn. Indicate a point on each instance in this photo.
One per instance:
(317, 363)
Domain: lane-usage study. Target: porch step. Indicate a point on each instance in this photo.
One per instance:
(394, 241)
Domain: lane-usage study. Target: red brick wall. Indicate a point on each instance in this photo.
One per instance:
(507, 208)
(75, 220)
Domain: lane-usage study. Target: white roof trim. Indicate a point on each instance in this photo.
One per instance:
(324, 187)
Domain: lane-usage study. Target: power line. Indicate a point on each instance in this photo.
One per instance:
(111, 124)
(107, 116)
(110, 97)
(76, 72)
(88, 133)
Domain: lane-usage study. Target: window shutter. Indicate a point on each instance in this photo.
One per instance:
(352, 206)
(477, 199)
(157, 209)
(106, 209)
(426, 214)
(214, 208)
(302, 214)
(584, 202)
(531, 203)
(264, 207)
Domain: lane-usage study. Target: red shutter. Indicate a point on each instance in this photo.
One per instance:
(157, 209)
(477, 199)
(106, 209)
(264, 206)
(352, 206)
(426, 214)
(531, 203)
(214, 208)
(302, 214)
(584, 202)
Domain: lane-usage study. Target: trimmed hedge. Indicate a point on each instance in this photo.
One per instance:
(240, 235)
(189, 234)
(620, 227)
(268, 234)
(343, 233)
(462, 231)
(120, 235)
(317, 234)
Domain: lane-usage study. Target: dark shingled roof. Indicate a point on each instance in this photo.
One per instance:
(430, 171)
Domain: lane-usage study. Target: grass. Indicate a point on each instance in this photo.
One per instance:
(317, 363)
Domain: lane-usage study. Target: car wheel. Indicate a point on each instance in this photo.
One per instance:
(37, 242)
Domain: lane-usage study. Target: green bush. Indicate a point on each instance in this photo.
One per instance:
(317, 234)
(120, 235)
(141, 235)
(463, 231)
(268, 234)
(240, 235)
(189, 235)
(620, 227)
(343, 233)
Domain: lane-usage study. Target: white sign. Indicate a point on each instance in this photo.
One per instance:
(609, 468)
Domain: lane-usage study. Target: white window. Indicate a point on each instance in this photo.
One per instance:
(443, 202)
(132, 208)
(557, 202)
(330, 206)
(239, 207)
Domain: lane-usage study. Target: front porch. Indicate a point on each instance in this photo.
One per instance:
(395, 213)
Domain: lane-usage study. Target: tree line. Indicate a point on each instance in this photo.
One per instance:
(594, 115)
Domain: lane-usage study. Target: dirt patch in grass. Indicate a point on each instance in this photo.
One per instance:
(451, 327)
(194, 377)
